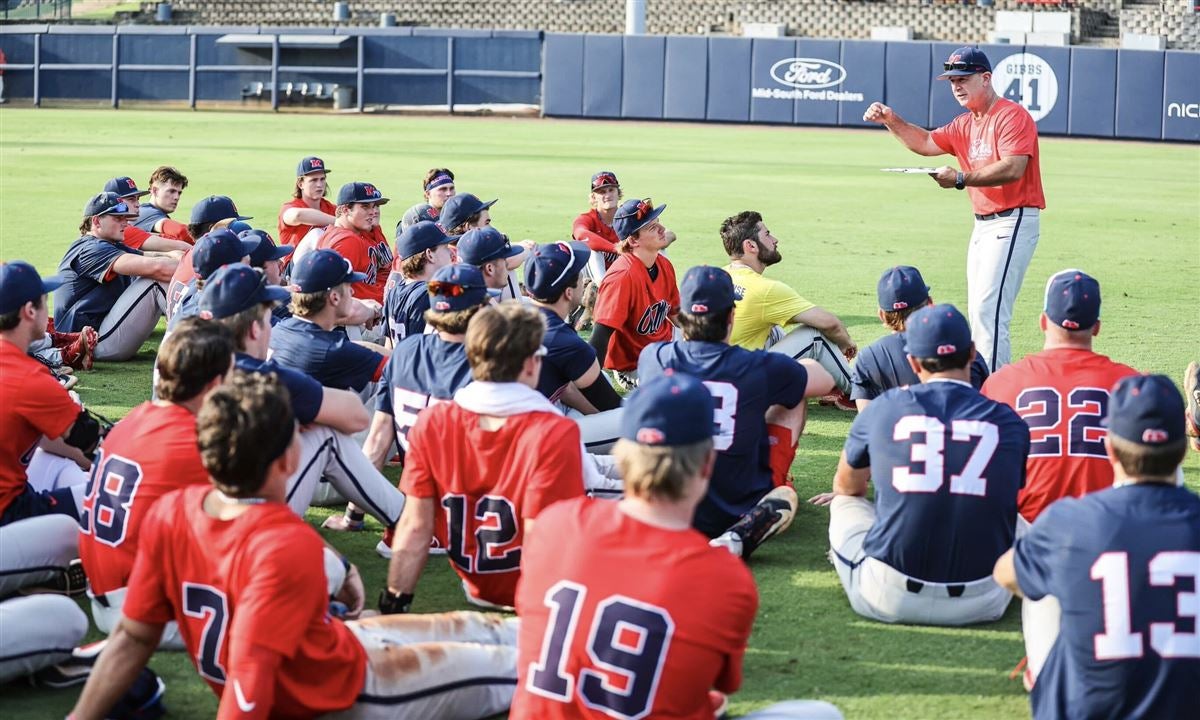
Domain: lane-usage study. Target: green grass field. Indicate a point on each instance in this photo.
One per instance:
(1129, 213)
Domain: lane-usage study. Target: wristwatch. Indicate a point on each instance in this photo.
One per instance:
(960, 181)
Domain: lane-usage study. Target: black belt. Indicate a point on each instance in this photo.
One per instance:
(916, 586)
(102, 600)
(996, 216)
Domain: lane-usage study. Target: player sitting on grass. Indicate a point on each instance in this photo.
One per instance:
(125, 188)
(242, 576)
(357, 236)
(131, 474)
(438, 187)
(883, 364)
(590, 618)
(761, 409)
(240, 298)
(947, 464)
(166, 188)
(490, 250)
(595, 227)
(269, 258)
(767, 306)
(1123, 564)
(213, 251)
(216, 212)
(422, 249)
(481, 468)
(308, 209)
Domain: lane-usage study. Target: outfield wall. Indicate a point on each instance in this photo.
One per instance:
(1081, 91)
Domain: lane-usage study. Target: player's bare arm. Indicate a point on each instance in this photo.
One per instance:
(343, 411)
(846, 481)
(360, 312)
(830, 326)
(158, 243)
(410, 549)
(1001, 172)
(913, 137)
(59, 447)
(128, 650)
(159, 269)
(1005, 573)
(379, 439)
(375, 347)
(820, 382)
(306, 216)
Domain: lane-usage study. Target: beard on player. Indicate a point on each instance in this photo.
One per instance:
(768, 256)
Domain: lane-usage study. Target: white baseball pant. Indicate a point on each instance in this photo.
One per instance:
(334, 456)
(599, 431)
(807, 342)
(1039, 622)
(879, 592)
(37, 632)
(44, 349)
(446, 665)
(48, 471)
(131, 320)
(997, 259)
(106, 613)
(797, 710)
(36, 550)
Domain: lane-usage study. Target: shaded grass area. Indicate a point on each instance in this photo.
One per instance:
(1128, 213)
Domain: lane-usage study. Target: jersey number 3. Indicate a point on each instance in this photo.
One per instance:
(627, 642)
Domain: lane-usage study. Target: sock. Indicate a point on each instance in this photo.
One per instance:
(783, 452)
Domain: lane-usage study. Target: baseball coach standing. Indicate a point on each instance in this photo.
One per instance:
(996, 145)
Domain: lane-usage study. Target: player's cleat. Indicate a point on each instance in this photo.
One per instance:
(71, 581)
(344, 523)
(720, 704)
(771, 516)
(63, 675)
(730, 540)
(77, 348)
(624, 381)
(143, 701)
(838, 399)
(1191, 393)
(384, 550)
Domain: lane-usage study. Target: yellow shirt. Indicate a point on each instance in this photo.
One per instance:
(765, 303)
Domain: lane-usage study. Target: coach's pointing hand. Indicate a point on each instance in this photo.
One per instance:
(879, 113)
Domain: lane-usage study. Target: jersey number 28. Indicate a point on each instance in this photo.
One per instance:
(627, 641)
(110, 492)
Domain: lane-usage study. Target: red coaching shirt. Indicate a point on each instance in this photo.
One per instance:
(599, 235)
(1006, 130)
(130, 475)
(669, 614)
(1062, 395)
(32, 404)
(487, 483)
(637, 307)
(369, 254)
(293, 234)
(254, 581)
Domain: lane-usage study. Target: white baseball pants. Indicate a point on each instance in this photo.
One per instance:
(37, 632)
(131, 320)
(106, 612)
(997, 259)
(879, 592)
(1039, 622)
(806, 342)
(334, 456)
(446, 665)
(35, 550)
(48, 471)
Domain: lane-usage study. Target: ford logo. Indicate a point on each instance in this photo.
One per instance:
(808, 73)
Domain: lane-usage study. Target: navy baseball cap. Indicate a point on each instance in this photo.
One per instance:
(935, 331)
(475, 247)
(458, 287)
(107, 203)
(549, 267)
(420, 237)
(235, 288)
(965, 61)
(707, 289)
(322, 270)
(633, 215)
(1072, 300)
(266, 250)
(309, 165)
(215, 208)
(460, 207)
(20, 283)
(603, 179)
(421, 212)
(124, 187)
(672, 409)
(1147, 410)
(221, 247)
(900, 288)
(360, 192)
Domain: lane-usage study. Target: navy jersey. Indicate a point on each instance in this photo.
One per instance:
(744, 383)
(90, 287)
(148, 215)
(568, 356)
(187, 306)
(883, 365)
(1124, 564)
(283, 311)
(424, 370)
(307, 394)
(947, 464)
(328, 356)
(404, 306)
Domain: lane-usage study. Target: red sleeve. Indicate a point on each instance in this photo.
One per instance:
(249, 684)
(740, 609)
(379, 370)
(46, 405)
(616, 297)
(353, 249)
(948, 135)
(672, 288)
(582, 231)
(279, 592)
(559, 474)
(176, 231)
(147, 601)
(1016, 133)
(417, 479)
(135, 237)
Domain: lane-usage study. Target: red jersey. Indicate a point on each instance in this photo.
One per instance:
(1006, 130)
(293, 234)
(1063, 396)
(369, 254)
(487, 484)
(598, 583)
(32, 404)
(636, 306)
(599, 235)
(135, 237)
(254, 581)
(185, 272)
(127, 479)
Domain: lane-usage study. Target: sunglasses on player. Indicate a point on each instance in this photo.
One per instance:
(963, 66)
(446, 289)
